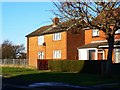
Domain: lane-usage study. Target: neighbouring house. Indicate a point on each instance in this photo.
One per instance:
(53, 42)
(96, 46)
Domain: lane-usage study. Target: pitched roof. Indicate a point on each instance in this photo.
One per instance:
(96, 45)
(64, 26)
(46, 30)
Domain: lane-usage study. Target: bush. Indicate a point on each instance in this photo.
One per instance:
(94, 66)
(81, 66)
(116, 69)
(65, 65)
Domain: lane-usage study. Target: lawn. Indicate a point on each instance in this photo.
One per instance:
(16, 71)
(25, 76)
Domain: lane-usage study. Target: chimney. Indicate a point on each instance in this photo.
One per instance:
(55, 21)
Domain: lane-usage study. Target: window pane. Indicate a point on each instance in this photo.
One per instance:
(95, 32)
(40, 40)
(40, 55)
(57, 54)
(57, 36)
(117, 55)
(91, 54)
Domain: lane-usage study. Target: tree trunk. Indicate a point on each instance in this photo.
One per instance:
(108, 72)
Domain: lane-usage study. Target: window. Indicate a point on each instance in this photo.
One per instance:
(117, 55)
(40, 40)
(40, 55)
(57, 54)
(91, 54)
(95, 32)
(57, 36)
(118, 31)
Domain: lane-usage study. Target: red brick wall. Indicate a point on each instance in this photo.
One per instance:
(52, 45)
(32, 51)
(33, 48)
(89, 38)
(73, 42)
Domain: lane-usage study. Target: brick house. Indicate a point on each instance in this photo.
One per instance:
(53, 42)
(96, 46)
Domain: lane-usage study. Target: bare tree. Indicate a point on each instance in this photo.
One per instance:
(7, 50)
(18, 50)
(10, 51)
(103, 15)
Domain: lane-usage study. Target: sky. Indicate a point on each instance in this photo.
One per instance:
(22, 18)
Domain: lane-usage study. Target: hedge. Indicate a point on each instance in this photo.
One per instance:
(116, 69)
(81, 66)
(65, 65)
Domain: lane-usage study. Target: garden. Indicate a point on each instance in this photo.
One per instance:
(27, 76)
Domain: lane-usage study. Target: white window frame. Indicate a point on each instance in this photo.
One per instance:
(117, 32)
(40, 55)
(56, 36)
(95, 32)
(57, 54)
(40, 40)
(116, 53)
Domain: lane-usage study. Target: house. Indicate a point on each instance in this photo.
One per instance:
(53, 42)
(96, 46)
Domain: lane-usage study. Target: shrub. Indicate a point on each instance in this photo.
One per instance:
(65, 65)
(81, 66)
(94, 66)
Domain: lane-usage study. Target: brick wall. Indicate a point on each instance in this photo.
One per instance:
(33, 48)
(73, 42)
(32, 51)
(52, 45)
(89, 38)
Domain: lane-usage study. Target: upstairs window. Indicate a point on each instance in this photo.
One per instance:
(95, 32)
(117, 32)
(57, 36)
(40, 40)
(57, 54)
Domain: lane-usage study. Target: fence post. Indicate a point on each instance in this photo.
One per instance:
(13, 61)
(4, 61)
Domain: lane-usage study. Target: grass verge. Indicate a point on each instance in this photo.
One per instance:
(25, 76)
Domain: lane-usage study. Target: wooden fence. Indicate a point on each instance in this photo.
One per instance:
(14, 62)
(42, 64)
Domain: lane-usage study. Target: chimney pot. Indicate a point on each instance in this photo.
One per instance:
(55, 21)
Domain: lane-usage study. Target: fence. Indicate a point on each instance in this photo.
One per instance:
(42, 64)
(14, 62)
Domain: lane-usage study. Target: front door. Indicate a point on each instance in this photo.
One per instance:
(100, 56)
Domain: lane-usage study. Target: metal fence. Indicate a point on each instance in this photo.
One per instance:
(14, 62)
